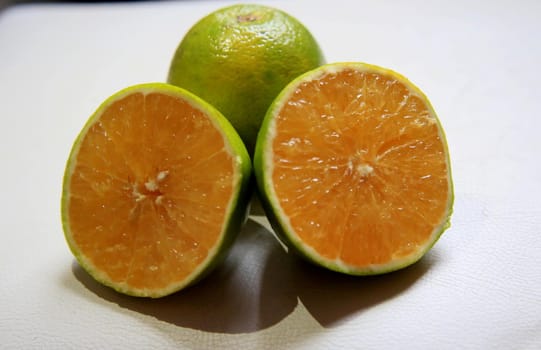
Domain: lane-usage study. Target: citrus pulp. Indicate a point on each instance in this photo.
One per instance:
(155, 190)
(353, 169)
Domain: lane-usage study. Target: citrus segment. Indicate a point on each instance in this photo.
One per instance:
(353, 165)
(238, 58)
(154, 190)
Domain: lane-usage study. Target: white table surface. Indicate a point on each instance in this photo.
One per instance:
(479, 288)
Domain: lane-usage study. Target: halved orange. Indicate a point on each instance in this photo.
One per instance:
(155, 190)
(353, 169)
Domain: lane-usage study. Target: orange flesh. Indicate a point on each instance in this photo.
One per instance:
(149, 190)
(360, 167)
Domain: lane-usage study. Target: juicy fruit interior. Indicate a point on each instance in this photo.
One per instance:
(360, 168)
(149, 191)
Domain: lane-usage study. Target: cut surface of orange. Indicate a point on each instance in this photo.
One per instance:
(353, 168)
(154, 190)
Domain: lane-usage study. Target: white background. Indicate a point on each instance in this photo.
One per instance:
(479, 288)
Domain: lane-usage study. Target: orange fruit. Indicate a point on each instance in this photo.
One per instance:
(155, 190)
(238, 58)
(353, 169)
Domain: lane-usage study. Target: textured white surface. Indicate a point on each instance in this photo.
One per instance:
(479, 288)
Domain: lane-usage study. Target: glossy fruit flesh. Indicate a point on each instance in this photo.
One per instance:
(355, 166)
(150, 189)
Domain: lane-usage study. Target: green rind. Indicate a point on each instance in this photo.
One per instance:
(240, 68)
(271, 205)
(238, 208)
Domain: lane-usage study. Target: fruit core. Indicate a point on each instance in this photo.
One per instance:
(151, 189)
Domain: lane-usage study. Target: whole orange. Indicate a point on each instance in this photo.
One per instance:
(238, 59)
